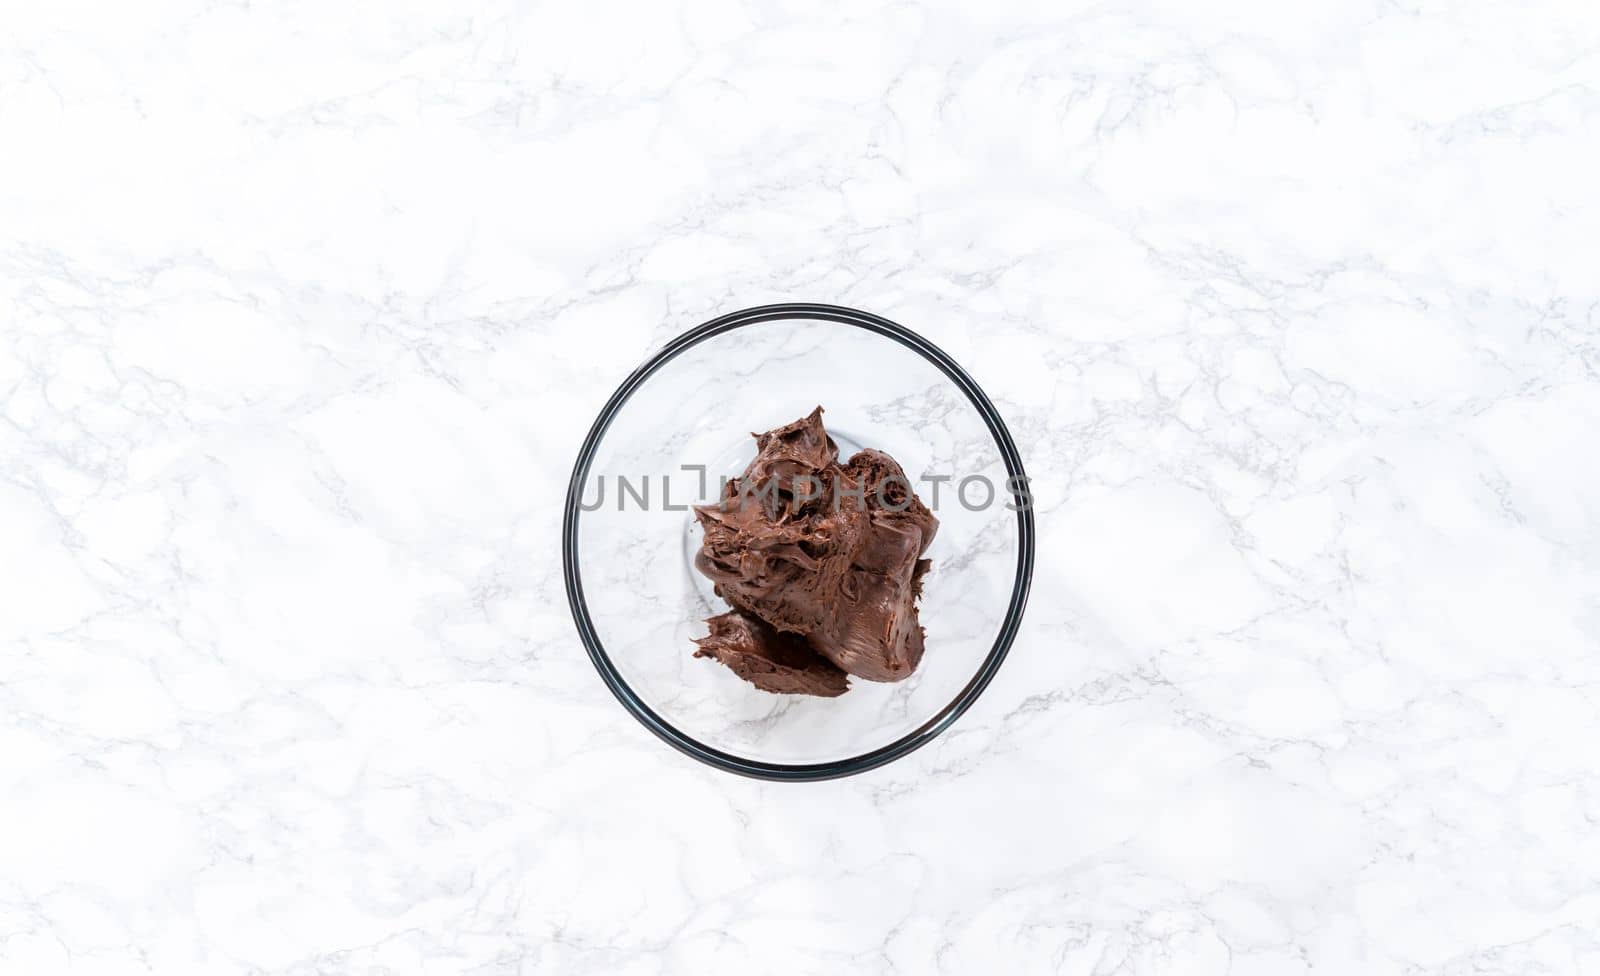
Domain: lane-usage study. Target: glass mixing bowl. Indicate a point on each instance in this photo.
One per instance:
(681, 423)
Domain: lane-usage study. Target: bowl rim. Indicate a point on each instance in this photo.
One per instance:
(922, 734)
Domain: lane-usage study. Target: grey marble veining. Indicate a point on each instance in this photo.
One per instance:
(304, 312)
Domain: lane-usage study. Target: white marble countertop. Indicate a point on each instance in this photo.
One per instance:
(1292, 309)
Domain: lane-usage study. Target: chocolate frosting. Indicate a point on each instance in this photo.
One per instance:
(769, 659)
(827, 552)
